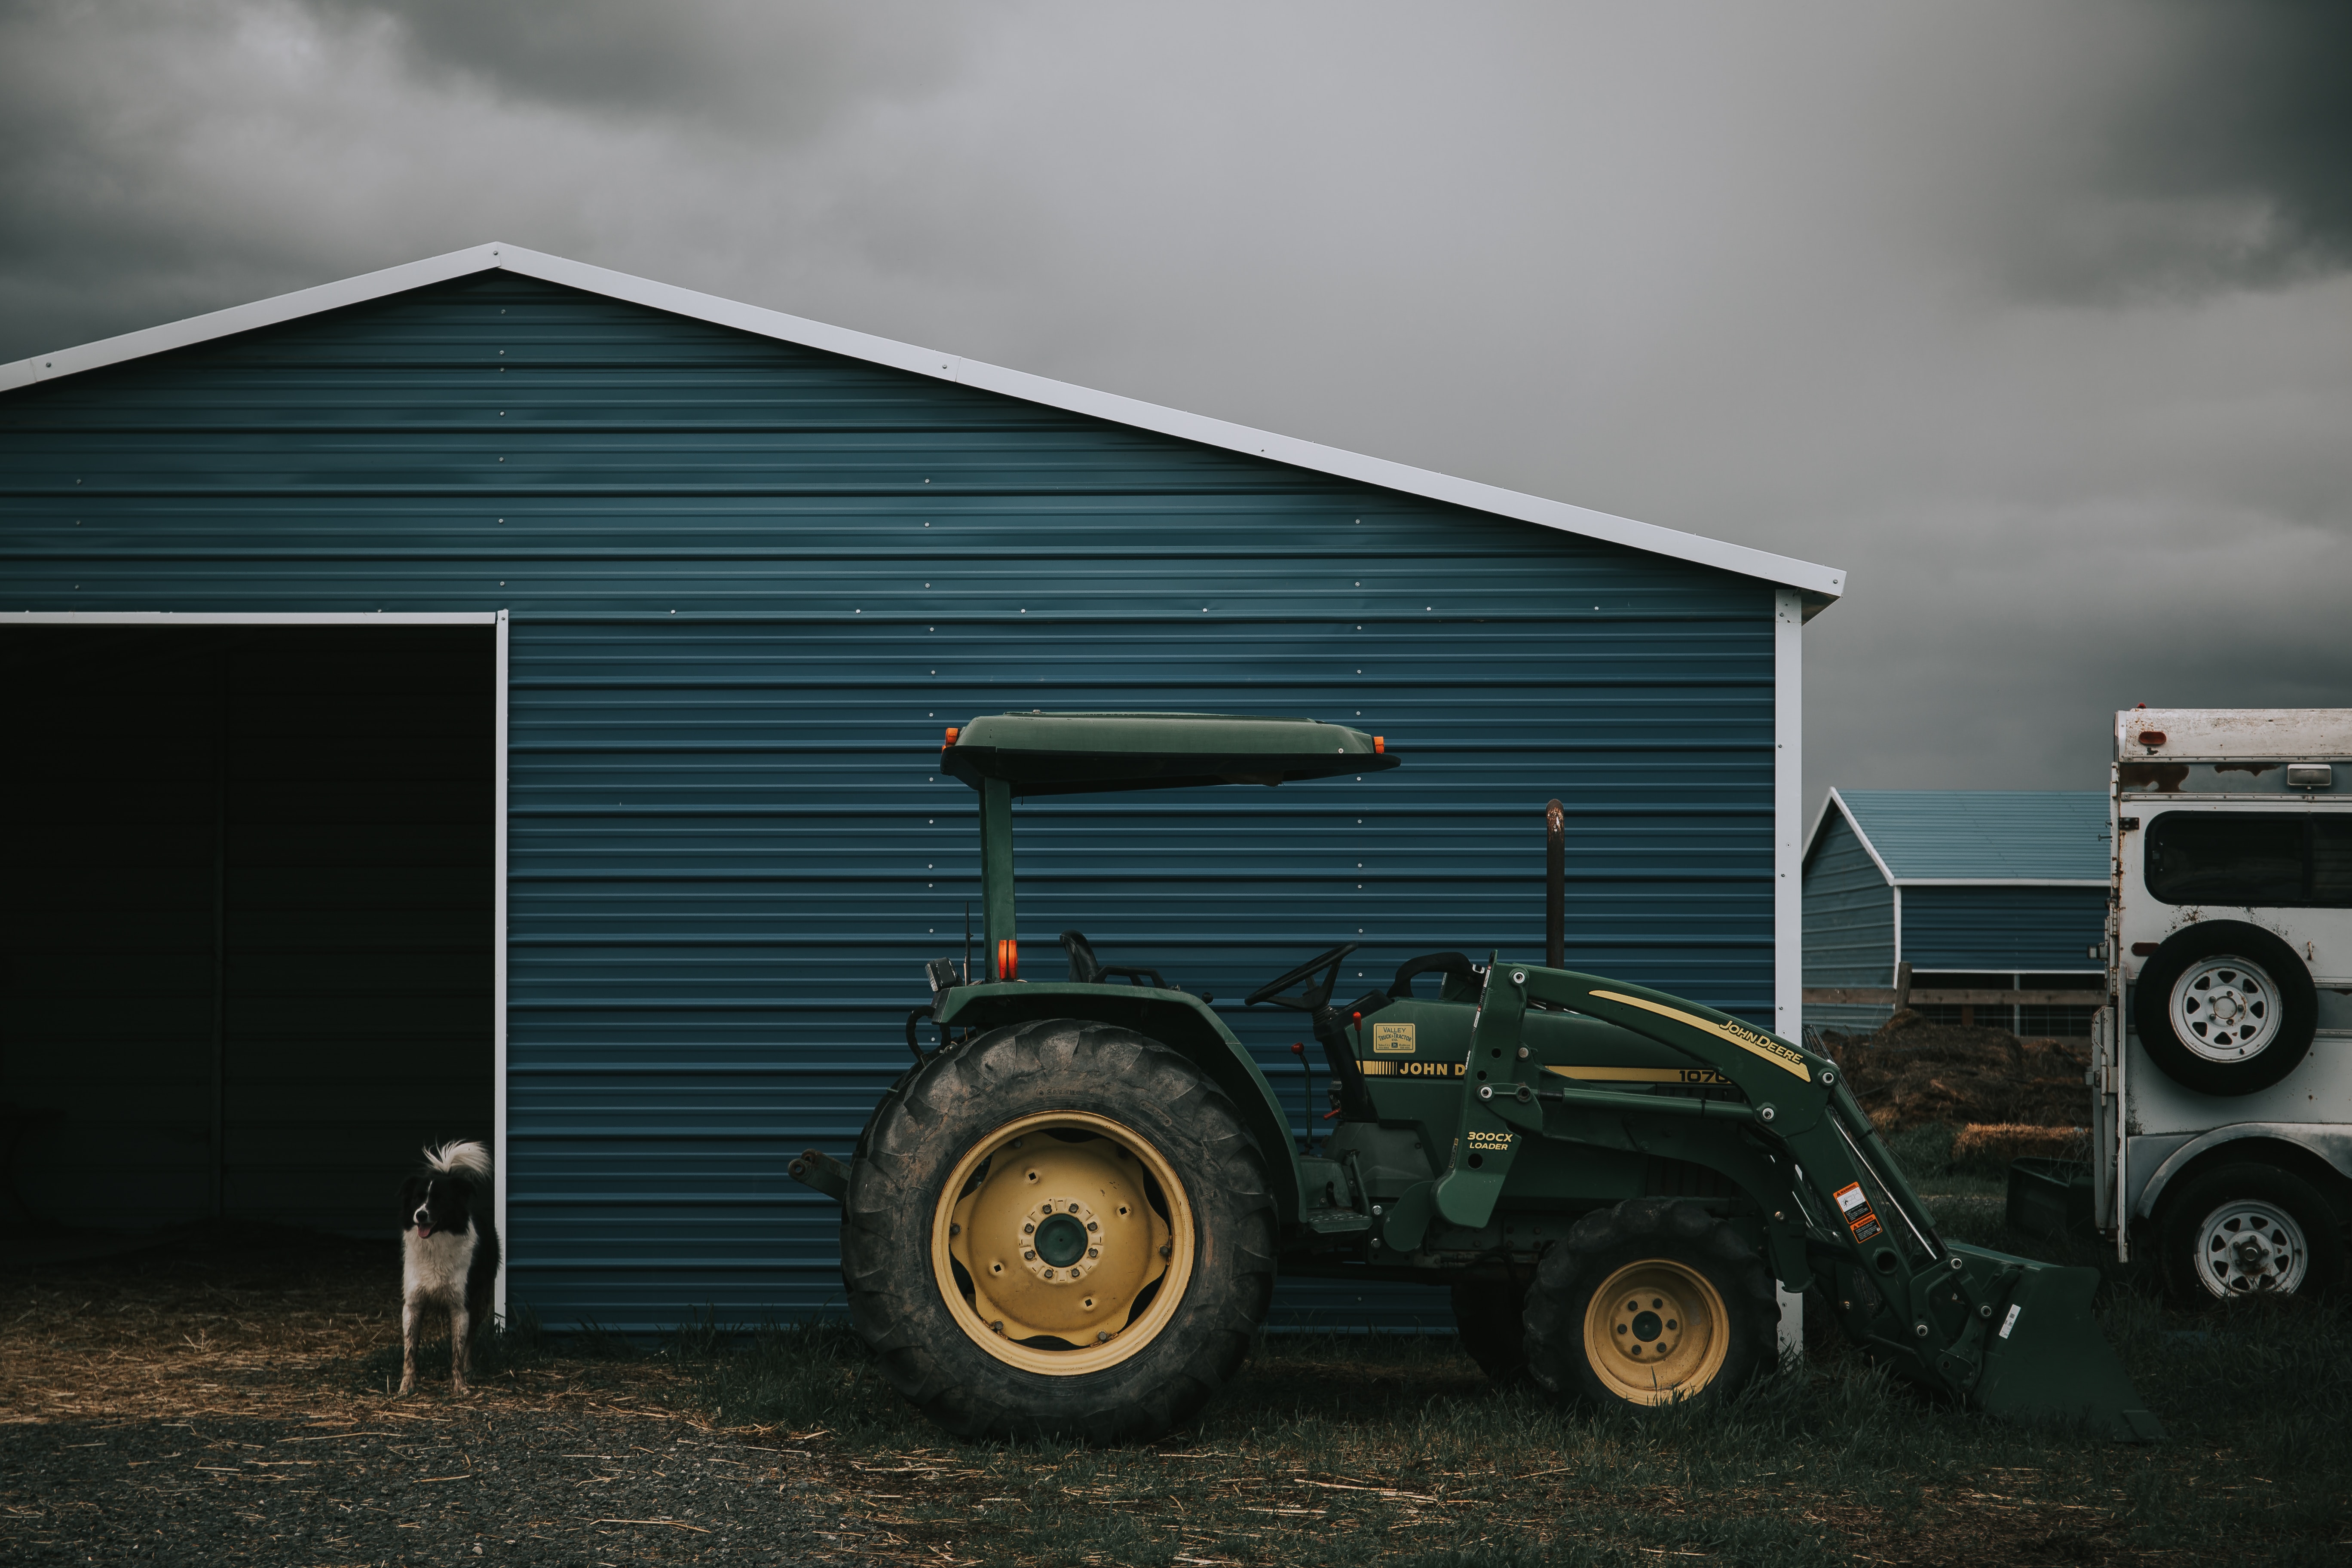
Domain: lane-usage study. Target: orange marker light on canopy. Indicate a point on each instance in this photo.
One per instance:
(1008, 958)
(1381, 744)
(953, 733)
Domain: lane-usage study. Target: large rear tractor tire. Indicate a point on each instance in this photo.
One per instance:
(1652, 1302)
(1490, 1315)
(1059, 1230)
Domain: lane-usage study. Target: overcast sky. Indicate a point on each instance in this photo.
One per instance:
(2036, 319)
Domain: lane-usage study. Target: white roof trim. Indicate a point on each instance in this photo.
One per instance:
(1863, 835)
(2000, 882)
(1824, 582)
(251, 618)
(1836, 799)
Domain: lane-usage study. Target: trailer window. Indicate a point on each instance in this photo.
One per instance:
(2251, 858)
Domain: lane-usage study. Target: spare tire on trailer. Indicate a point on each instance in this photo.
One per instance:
(2225, 1008)
(1059, 1230)
(1652, 1302)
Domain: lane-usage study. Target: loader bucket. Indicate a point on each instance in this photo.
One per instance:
(2045, 1359)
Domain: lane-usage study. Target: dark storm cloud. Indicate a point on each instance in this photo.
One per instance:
(751, 64)
(164, 157)
(2036, 319)
(2221, 159)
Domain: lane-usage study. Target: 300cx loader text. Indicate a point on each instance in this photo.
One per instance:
(1067, 1220)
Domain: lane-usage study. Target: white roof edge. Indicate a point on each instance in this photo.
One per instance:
(1827, 581)
(1861, 835)
(2000, 881)
(250, 617)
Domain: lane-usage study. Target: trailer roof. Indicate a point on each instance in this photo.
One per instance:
(1083, 754)
(2233, 734)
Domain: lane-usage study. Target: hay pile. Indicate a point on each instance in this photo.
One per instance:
(1912, 1072)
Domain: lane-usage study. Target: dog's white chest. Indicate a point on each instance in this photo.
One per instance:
(434, 1267)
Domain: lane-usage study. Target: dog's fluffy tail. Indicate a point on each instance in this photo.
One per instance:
(463, 1155)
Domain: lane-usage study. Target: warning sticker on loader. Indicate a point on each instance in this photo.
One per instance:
(1854, 1206)
(1394, 1040)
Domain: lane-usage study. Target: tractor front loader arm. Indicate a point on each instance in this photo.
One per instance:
(2008, 1335)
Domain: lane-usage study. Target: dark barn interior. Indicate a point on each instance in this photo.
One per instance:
(249, 947)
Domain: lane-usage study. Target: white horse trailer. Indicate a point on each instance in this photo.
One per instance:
(2223, 1062)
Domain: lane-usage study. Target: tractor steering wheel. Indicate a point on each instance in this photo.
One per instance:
(1316, 995)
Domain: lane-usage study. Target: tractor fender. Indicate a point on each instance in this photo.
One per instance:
(1177, 1019)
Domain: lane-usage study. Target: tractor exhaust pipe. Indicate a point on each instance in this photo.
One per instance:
(1555, 886)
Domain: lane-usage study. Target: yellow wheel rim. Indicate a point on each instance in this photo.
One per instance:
(1063, 1243)
(1656, 1332)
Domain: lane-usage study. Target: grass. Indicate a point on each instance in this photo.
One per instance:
(1396, 1451)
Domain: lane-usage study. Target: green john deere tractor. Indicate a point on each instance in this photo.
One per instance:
(1067, 1219)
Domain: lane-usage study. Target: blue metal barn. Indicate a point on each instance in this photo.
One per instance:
(498, 694)
(1989, 889)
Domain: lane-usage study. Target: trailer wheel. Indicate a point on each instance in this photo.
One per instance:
(1490, 1315)
(1059, 1230)
(1652, 1302)
(2224, 1007)
(2249, 1230)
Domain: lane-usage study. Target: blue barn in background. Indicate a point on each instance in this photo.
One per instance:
(1975, 889)
(501, 695)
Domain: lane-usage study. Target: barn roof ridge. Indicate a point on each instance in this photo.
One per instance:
(1975, 837)
(1820, 584)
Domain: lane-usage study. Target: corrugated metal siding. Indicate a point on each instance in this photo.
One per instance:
(1849, 924)
(1986, 832)
(751, 583)
(2040, 929)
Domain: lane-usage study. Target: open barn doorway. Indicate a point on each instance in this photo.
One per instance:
(248, 931)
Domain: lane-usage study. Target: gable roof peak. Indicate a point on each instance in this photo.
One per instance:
(1819, 584)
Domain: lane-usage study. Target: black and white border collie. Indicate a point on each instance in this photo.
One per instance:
(449, 1253)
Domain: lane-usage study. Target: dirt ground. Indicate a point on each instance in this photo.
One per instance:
(1912, 1072)
(227, 1399)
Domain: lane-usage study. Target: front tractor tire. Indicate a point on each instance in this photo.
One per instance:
(1650, 1302)
(1058, 1230)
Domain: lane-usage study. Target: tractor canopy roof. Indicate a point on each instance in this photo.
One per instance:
(1077, 753)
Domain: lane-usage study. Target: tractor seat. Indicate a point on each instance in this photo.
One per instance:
(1086, 969)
